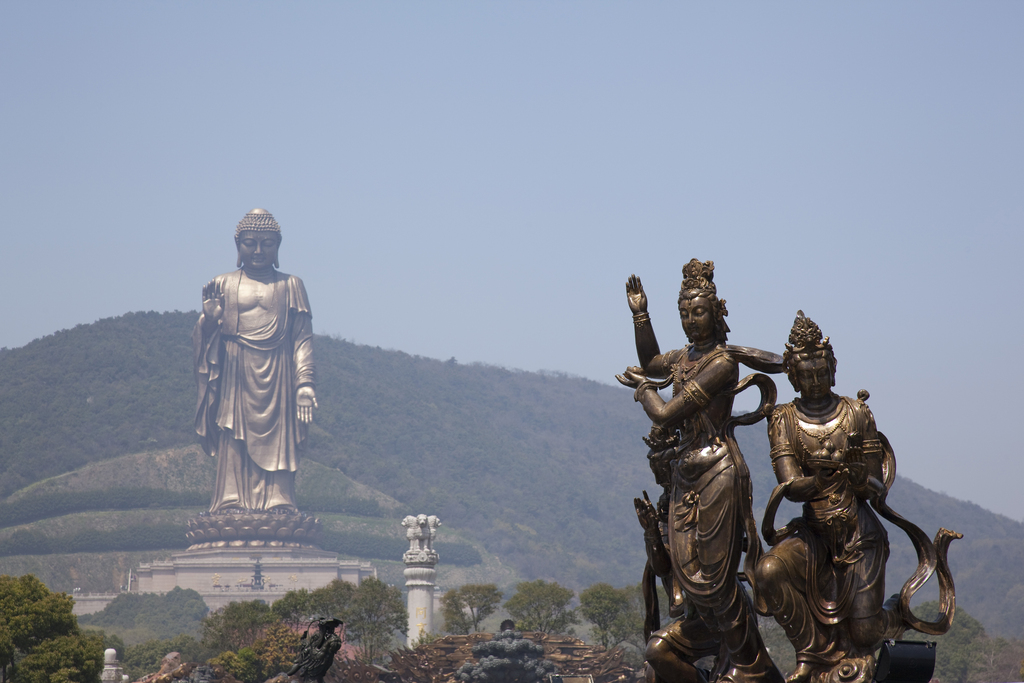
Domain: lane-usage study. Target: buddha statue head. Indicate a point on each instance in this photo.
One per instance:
(257, 238)
(809, 360)
(701, 312)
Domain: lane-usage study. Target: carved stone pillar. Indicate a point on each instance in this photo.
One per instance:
(420, 560)
(112, 672)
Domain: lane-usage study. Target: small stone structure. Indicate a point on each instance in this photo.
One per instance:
(223, 575)
(420, 560)
(112, 671)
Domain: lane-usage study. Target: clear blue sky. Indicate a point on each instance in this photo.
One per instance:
(478, 180)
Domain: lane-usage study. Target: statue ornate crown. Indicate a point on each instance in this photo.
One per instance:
(698, 275)
(806, 336)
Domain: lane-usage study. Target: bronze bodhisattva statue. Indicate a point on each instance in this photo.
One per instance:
(703, 521)
(254, 369)
(823, 579)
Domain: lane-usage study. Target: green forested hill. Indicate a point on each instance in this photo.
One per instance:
(116, 386)
(540, 469)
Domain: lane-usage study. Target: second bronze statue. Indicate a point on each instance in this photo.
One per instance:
(823, 579)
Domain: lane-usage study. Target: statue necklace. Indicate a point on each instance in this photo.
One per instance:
(681, 372)
(823, 436)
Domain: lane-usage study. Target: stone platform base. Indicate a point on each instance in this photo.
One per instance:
(253, 530)
(225, 574)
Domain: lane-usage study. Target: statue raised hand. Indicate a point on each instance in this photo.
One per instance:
(213, 304)
(635, 295)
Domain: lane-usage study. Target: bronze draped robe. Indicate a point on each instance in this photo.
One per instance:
(841, 548)
(709, 513)
(826, 568)
(247, 375)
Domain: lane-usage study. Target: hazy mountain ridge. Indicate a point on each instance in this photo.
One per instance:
(531, 464)
(541, 469)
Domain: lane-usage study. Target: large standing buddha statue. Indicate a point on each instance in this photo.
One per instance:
(254, 369)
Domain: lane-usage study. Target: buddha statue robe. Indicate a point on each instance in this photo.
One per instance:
(248, 368)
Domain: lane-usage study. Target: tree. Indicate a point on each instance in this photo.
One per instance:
(242, 664)
(332, 600)
(454, 611)
(997, 659)
(606, 608)
(72, 658)
(956, 650)
(110, 640)
(273, 653)
(295, 608)
(377, 611)
(148, 616)
(237, 625)
(629, 627)
(542, 606)
(464, 608)
(38, 630)
(276, 650)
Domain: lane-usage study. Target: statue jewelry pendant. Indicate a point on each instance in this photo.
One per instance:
(823, 436)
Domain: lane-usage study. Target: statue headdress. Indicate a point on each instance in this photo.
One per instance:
(699, 280)
(805, 340)
(699, 276)
(259, 220)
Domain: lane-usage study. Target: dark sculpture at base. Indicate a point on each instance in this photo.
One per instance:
(506, 657)
(823, 579)
(703, 521)
(316, 652)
